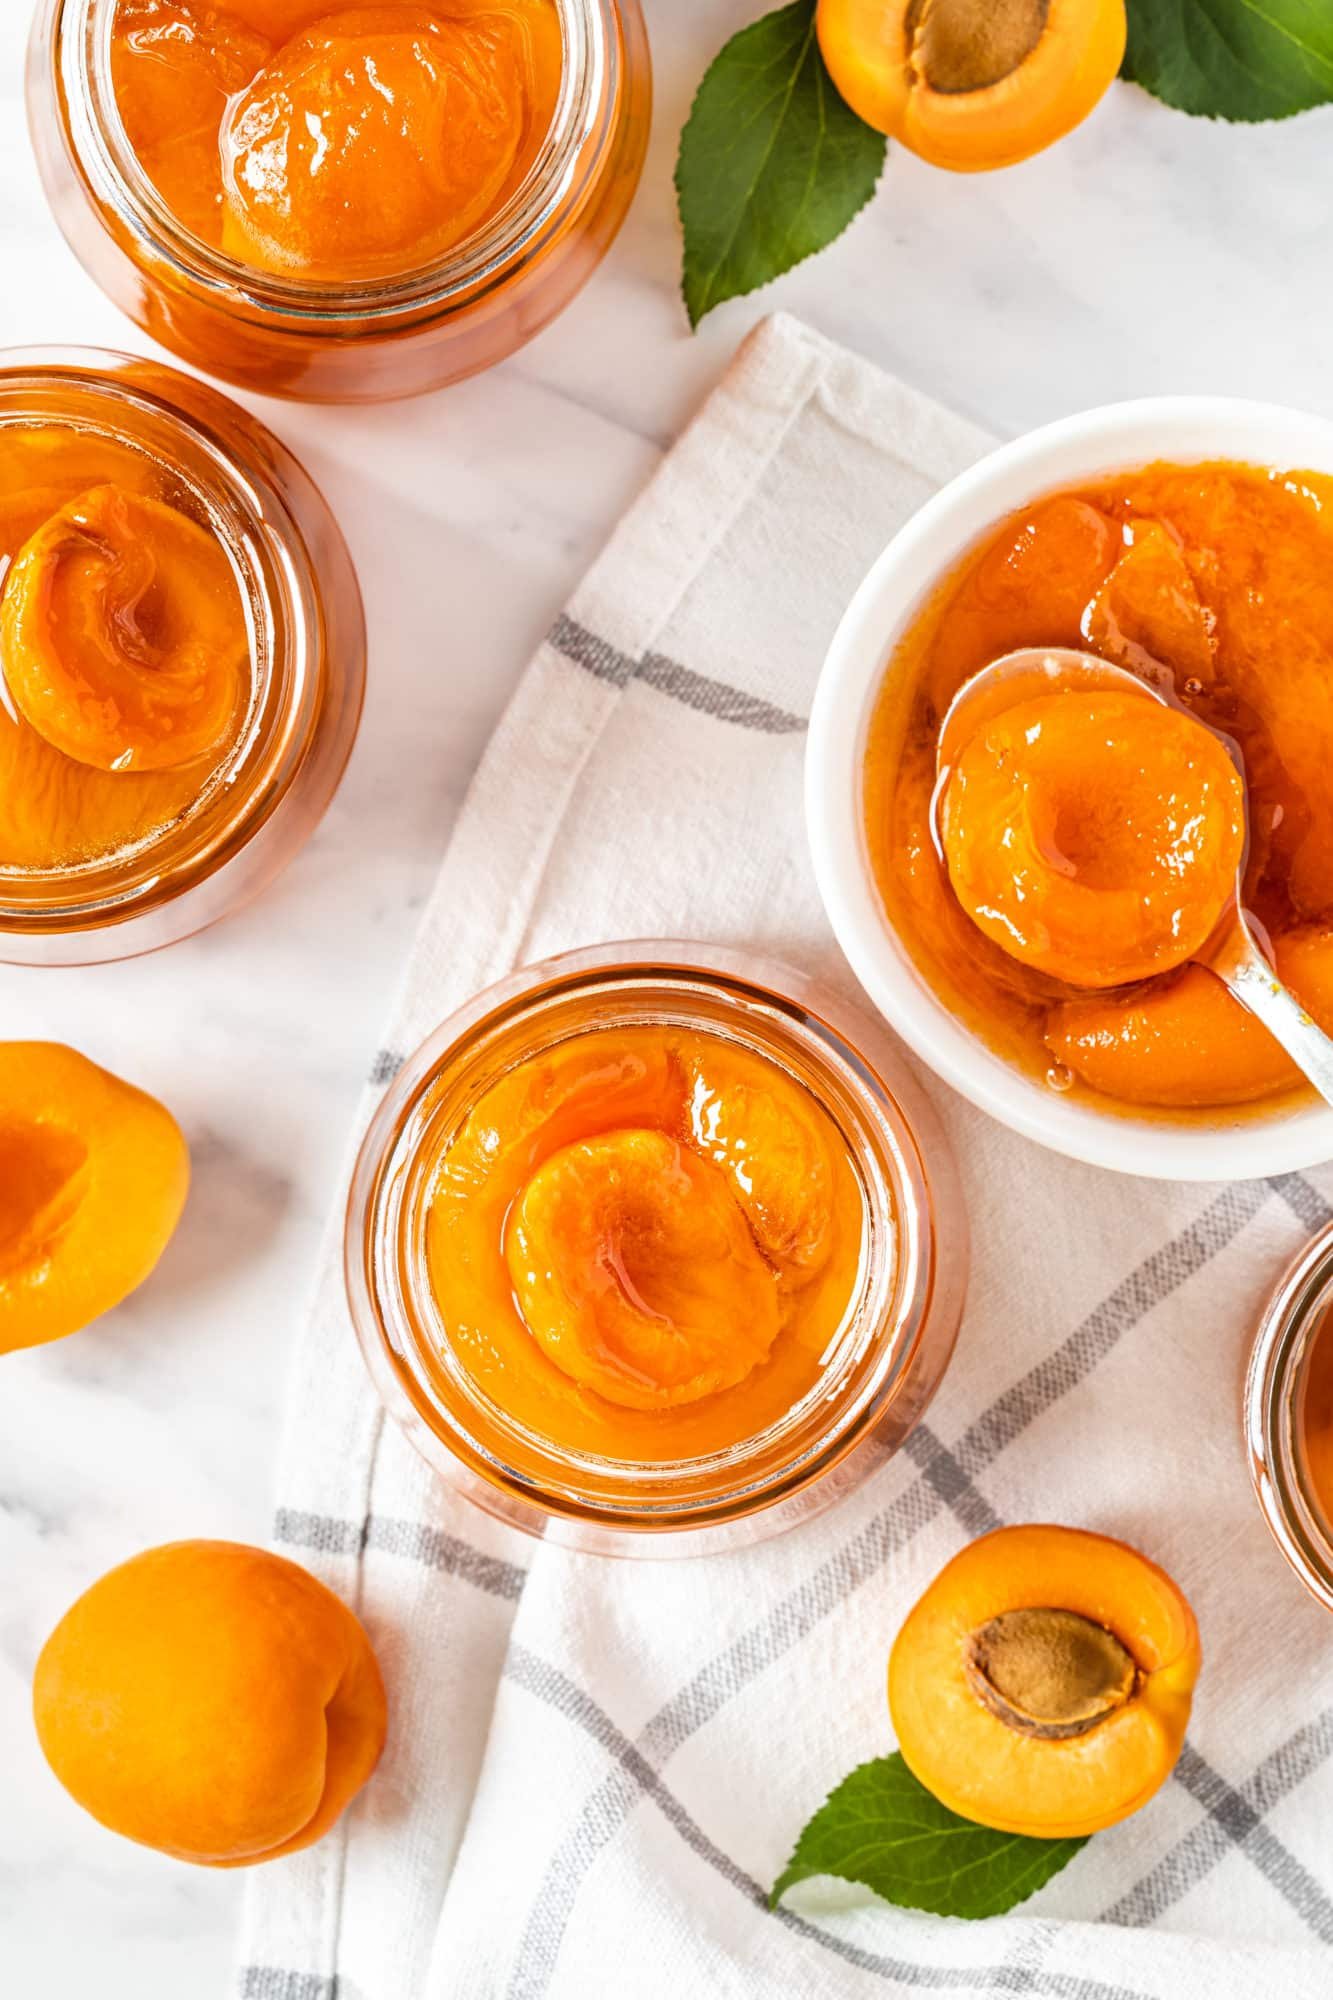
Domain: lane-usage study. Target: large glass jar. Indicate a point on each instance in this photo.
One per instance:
(319, 340)
(875, 1375)
(160, 855)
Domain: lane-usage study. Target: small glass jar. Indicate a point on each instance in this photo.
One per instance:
(368, 341)
(897, 1333)
(307, 666)
(1276, 1435)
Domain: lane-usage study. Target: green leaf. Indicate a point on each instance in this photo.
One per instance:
(1238, 59)
(772, 166)
(882, 1828)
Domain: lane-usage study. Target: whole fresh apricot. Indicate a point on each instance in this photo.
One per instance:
(93, 1178)
(1042, 1684)
(211, 1700)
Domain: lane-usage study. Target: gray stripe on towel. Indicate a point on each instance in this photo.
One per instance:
(1235, 1820)
(414, 1541)
(270, 1982)
(1305, 1202)
(575, 643)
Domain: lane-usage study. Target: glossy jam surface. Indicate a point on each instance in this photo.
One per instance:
(1212, 583)
(337, 144)
(644, 1243)
(125, 656)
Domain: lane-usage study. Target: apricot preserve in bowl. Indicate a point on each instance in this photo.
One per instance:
(655, 1249)
(1033, 907)
(181, 656)
(340, 202)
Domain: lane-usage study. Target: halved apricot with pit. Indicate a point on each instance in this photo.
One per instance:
(93, 1177)
(971, 84)
(1094, 837)
(372, 141)
(636, 1272)
(1042, 1685)
(123, 634)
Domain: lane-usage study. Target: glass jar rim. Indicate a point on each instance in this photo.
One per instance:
(899, 1299)
(552, 189)
(1274, 1384)
(267, 549)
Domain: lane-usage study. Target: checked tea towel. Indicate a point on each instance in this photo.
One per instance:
(596, 1769)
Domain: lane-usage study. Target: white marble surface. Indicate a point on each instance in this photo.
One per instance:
(1149, 253)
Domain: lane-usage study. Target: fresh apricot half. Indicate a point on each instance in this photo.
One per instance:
(211, 1700)
(371, 142)
(1042, 1684)
(1094, 837)
(972, 84)
(93, 1178)
(123, 634)
(636, 1272)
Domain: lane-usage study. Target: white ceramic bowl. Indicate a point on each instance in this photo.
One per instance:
(1184, 429)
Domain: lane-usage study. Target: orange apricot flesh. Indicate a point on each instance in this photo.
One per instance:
(1095, 837)
(213, 1701)
(123, 634)
(1188, 1043)
(93, 1178)
(428, 112)
(636, 1273)
(1042, 1684)
(174, 70)
(972, 84)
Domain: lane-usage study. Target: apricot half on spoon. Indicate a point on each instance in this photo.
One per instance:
(972, 84)
(1097, 832)
(1042, 1685)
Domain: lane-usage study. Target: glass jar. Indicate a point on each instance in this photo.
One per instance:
(878, 1375)
(307, 664)
(371, 340)
(1276, 1387)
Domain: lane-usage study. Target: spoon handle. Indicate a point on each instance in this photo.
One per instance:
(1243, 969)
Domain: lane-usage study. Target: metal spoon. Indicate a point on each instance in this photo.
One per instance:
(1232, 952)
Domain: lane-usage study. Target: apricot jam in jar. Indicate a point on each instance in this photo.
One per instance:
(654, 1249)
(341, 203)
(181, 656)
(1289, 1415)
(1057, 881)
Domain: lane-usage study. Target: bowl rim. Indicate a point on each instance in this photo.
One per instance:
(1088, 444)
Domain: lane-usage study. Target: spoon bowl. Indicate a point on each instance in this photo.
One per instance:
(1233, 952)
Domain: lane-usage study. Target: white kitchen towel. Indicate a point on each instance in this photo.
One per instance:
(595, 1769)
